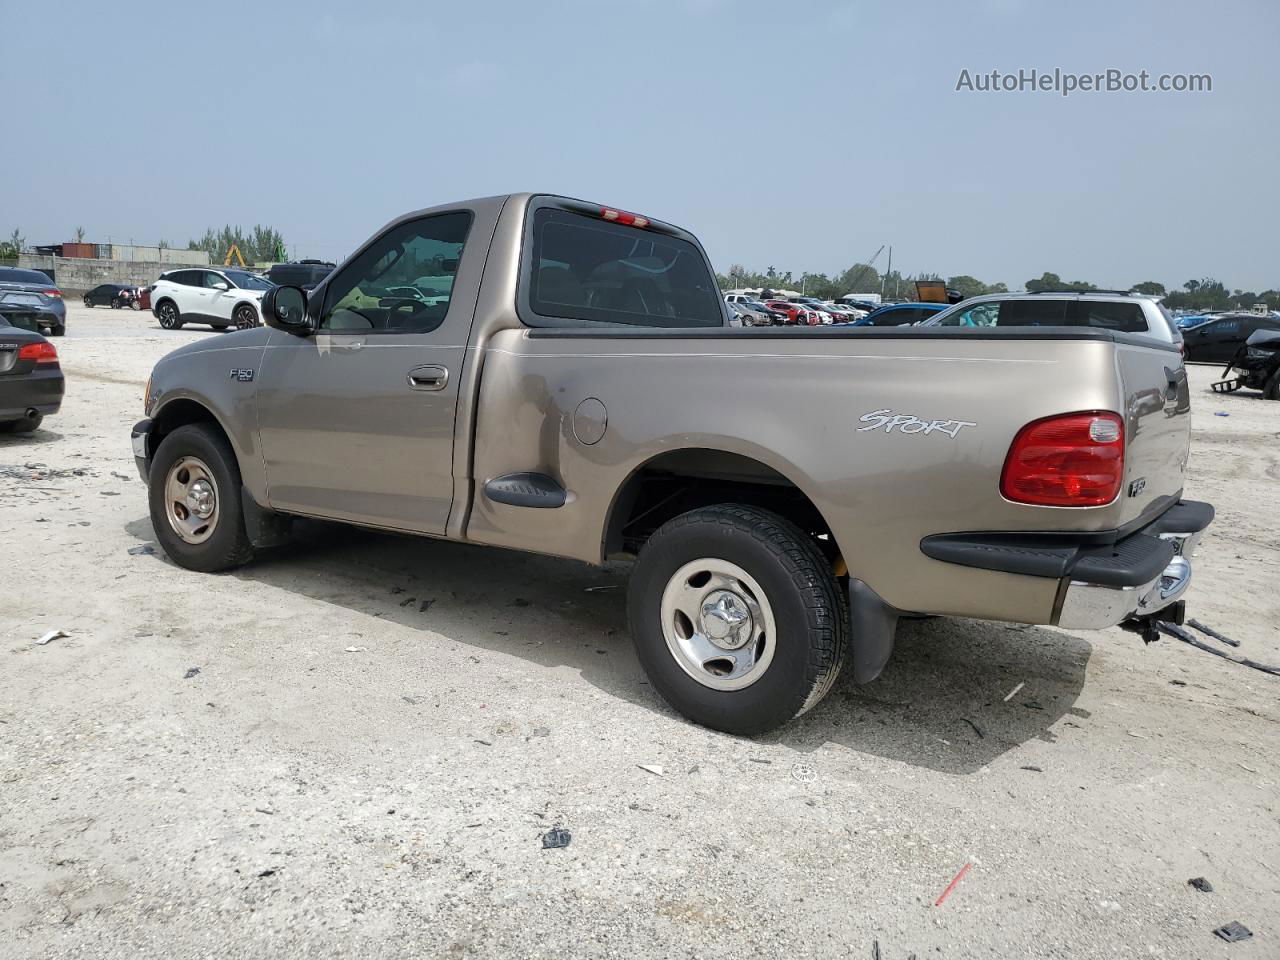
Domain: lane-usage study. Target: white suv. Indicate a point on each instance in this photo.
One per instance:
(219, 297)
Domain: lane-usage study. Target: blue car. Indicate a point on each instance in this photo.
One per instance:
(898, 314)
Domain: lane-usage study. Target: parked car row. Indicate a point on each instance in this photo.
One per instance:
(810, 311)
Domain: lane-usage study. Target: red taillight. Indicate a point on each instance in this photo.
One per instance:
(1074, 460)
(39, 352)
(624, 218)
(53, 293)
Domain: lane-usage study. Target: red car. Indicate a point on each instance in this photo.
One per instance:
(797, 314)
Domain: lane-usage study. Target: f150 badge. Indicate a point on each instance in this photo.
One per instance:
(243, 374)
(904, 423)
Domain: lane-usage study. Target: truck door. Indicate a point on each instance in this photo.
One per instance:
(356, 421)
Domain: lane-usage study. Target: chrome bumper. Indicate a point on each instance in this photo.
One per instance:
(1092, 606)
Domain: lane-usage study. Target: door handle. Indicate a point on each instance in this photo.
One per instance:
(429, 377)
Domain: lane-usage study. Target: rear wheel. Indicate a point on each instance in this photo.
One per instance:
(25, 425)
(58, 331)
(737, 618)
(168, 314)
(87, 302)
(194, 495)
(116, 303)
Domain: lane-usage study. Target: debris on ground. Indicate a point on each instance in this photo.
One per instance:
(193, 672)
(407, 601)
(655, 768)
(520, 602)
(1009, 696)
(1234, 932)
(50, 636)
(603, 586)
(952, 885)
(981, 735)
(1201, 884)
(540, 732)
(266, 873)
(803, 773)
(145, 550)
(1210, 632)
(1032, 705)
(759, 760)
(1222, 413)
(1033, 769)
(1173, 630)
(425, 605)
(555, 838)
(356, 649)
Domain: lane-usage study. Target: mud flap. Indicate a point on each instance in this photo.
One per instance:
(263, 527)
(873, 624)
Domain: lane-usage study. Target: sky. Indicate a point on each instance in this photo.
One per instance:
(801, 135)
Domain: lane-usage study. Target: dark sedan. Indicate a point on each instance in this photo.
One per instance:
(32, 294)
(1218, 340)
(116, 295)
(31, 383)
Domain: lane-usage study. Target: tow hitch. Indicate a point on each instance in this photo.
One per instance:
(1147, 626)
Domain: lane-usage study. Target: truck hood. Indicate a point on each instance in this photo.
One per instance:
(254, 336)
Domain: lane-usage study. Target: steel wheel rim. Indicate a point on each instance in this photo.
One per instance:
(718, 624)
(191, 500)
(245, 318)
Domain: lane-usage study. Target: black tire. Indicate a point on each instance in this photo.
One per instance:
(246, 318)
(228, 546)
(808, 608)
(58, 332)
(169, 315)
(116, 303)
(25, 425)
(87, 302)
(1271, 389)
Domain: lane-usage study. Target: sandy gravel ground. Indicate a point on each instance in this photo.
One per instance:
(293, 799)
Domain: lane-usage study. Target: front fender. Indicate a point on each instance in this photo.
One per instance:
(221, 382)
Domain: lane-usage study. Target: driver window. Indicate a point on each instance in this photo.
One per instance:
(213, 280)
(403, 282)
(978, 315)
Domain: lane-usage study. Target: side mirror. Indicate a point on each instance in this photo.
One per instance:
(221, 285)
(285, 308)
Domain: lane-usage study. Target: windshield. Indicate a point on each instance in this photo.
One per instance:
(248, 281)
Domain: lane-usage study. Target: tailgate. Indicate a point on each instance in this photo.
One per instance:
(1157, 412)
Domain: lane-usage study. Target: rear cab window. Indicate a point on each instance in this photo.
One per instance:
(584, 270)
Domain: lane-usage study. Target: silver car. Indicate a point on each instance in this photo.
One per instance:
(1102, 309)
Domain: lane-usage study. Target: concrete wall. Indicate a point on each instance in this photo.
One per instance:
(124, 251)
(76, 275)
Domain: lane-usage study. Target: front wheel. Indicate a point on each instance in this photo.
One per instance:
(245, 317)
(88, 303)
(168, 315)
(737, 618)
(1271, 390)
(194, 496)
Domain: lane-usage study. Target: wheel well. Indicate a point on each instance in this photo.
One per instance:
(682, 480)
(175, 414)
(246, 303)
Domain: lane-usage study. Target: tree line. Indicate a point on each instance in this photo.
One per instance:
(261, 244)
(1203, 294)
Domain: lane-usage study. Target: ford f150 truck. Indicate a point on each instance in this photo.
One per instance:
(544, 374)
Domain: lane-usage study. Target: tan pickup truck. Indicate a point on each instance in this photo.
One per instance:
(544, 374)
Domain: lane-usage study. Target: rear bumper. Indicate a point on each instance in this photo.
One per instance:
(1104, 578)
(40, 390)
